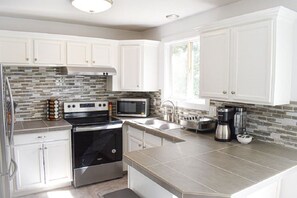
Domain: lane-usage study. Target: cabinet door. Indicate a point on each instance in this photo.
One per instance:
(252, 66)
(78, 54)
(14, 50)
(151, 141)
(101, 55)
(134, 144)
(30, 173)
(214, 65)
(130, 62)
(49, 52)
(57, 162)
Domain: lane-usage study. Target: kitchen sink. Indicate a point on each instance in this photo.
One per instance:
(159, 124)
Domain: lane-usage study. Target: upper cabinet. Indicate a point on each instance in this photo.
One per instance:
(49, 52)
(15, 50)
(249, 59)
(92, 53)
(78, 54)
(138, 65)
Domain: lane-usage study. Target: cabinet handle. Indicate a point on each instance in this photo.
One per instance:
(232, 92)
(224, 92)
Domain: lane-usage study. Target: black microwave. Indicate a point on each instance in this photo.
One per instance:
(133, 107)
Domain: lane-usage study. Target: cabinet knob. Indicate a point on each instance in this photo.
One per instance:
(144, 147)
(87, 61)
(27, 59)
(232, 92)
(40, 149)
(93, 61)
(137, 85)
(35, 59)
(45, 148)
(39, 137)
(139, 145)
(224, 92)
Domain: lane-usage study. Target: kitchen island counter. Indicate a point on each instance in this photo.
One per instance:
(202, 167)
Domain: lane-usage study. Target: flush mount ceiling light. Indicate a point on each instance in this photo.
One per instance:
(172, 16)
(92, 6)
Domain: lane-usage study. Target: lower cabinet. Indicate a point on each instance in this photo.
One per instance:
(136, 139)
(42, 163)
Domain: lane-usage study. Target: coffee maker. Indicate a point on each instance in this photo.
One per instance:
(225, 127)
(240, 118)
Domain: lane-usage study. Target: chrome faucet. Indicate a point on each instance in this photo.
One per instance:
(168, 116)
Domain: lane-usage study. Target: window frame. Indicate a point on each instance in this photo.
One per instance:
(192, 103)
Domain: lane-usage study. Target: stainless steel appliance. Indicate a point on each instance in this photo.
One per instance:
(133, 107)
(240, 118)
(8, 167)
(96, 142)
(197, 123)
(225, 121)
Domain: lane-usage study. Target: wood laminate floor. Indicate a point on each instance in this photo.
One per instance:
(91, 191)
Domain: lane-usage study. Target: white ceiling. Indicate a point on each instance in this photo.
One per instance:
(135, 15)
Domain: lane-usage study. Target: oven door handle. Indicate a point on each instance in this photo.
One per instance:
(96, 128)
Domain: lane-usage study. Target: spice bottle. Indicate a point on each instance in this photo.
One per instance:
(110, 108)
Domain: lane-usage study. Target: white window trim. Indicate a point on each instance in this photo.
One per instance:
(167, 91)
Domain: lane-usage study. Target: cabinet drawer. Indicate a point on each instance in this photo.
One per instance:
(41, 137)
(56, 135)
(152, 140)
(136, 133)
(28, 138)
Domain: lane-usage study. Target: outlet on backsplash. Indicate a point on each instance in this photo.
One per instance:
(212, 111)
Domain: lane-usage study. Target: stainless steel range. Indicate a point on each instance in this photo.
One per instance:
(96, 142)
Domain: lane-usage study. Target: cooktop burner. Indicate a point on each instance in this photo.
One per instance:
(88, 113)
(92, 121)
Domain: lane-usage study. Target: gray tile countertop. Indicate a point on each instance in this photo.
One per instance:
(200, 166)
(41, 126)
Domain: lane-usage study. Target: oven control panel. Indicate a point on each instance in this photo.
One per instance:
(70, 107)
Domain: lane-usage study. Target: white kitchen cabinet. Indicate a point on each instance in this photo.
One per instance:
(15, 50)
(49, 52)
(103, 54)
(78, 54)
(57, 161)
(138, 65)
(250, 60)
(151, 141)
(134, 144)
(214, 71)
(44, 161)
(30, 173)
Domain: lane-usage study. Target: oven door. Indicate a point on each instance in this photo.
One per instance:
(96, 145)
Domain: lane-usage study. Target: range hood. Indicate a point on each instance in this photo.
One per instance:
(89, 71)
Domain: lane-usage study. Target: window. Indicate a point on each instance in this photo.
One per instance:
(183, 60)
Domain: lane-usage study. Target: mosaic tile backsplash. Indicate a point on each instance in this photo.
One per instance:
(32, 86)
(275, 124)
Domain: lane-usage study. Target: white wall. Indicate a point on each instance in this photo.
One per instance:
(185, 27)
(30, 25)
